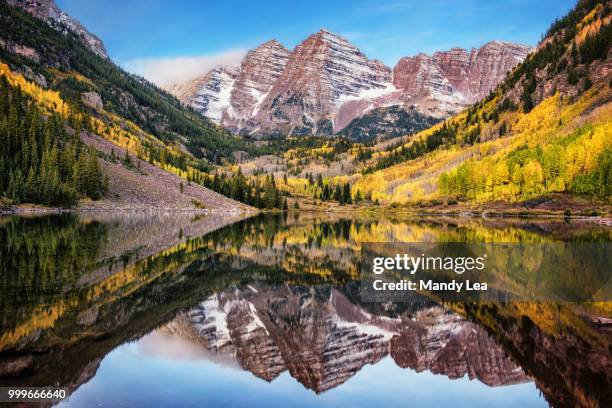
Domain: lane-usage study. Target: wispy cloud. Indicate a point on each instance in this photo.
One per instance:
(167, 71)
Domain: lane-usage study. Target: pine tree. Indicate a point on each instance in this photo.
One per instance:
(325, 193)
(31, 186)
(346, 194)
(93, 177)
(16, 187)
(338, 193)
(78, 174)
(270, 193)
(257, 200)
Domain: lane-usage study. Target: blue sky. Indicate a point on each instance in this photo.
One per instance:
(142, 33)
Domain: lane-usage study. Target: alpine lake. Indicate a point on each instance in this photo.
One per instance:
(172, 310)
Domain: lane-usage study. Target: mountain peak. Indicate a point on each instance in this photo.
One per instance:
(506, 44)
(273, 43)
(327, 36)
(271, 47)
(326, 82)
(324, 71)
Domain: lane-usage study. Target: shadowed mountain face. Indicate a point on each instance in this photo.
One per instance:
(278, 297)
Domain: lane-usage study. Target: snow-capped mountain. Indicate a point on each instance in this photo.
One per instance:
(322, 339)
(232, 95)
(259, 71)
(326, 82)
(324, 71)
(210, 93)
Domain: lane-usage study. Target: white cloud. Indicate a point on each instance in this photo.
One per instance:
(167, 71)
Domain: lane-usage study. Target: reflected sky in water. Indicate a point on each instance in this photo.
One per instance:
(133, 375)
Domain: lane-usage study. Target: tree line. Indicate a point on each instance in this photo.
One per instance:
(341, 192)
(580, 163)
(259, 192)
(444, 136)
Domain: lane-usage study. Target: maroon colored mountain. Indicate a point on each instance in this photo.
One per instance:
(322, 339)
(326, 82)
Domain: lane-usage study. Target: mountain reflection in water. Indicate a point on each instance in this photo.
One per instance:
(276, 297)
(323, 339)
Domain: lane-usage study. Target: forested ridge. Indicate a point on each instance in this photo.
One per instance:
(546, 129)
(61, 55)
(45, 162)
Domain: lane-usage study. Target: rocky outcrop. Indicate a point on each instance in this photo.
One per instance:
(322, 339)
(326, 83)
(48, 11)
(92, 99)
(24, 51)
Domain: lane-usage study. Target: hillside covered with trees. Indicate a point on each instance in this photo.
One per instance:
(40, 160)
(65, 64)
(545, 130)
(53, 88)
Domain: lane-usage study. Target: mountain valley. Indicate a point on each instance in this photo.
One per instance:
(321, 125)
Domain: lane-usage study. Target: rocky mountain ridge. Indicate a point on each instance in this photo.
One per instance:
(322, 339)
(326, 82)
(48, 11)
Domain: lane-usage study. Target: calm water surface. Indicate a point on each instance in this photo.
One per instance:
(167, 310)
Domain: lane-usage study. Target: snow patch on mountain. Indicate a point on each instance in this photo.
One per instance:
(326, 82)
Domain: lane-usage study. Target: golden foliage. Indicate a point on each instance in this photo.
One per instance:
(488, 174)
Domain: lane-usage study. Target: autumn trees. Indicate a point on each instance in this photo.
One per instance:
(40, 162)
(580, 163)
